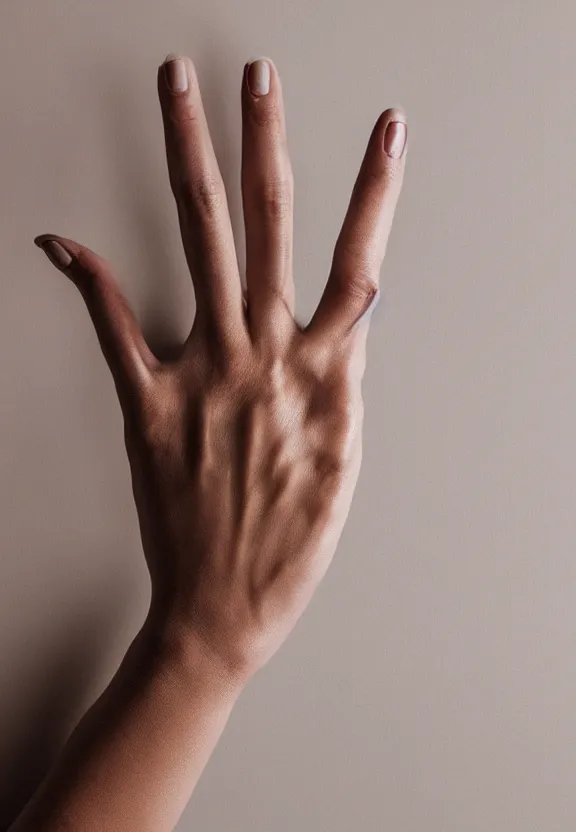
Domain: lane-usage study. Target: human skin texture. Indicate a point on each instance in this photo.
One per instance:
(244, 451)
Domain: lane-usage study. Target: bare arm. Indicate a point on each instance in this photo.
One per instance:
(244, 453)
(135, 757)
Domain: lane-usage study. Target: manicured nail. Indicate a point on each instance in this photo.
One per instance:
(259, 77)
(56, 253)
(395, 139)
(176, 73)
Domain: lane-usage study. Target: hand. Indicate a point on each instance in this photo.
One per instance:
(244, 449)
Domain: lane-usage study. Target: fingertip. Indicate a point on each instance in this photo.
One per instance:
(58, 254)
(40, 239)
(261, 80)
(394, 114)
(393, 130)
(177, 76)
(174, 56)
(265, 59)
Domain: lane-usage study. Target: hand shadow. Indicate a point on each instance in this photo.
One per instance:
(65, 664)
(62, 671)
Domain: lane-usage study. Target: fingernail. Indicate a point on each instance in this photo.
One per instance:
(56, 253)
(176, 73)
(395, 139)
(259, 77)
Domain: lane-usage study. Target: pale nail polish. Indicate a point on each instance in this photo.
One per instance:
(176, 73)
(259, 77)
(56, 253)
(395, 139)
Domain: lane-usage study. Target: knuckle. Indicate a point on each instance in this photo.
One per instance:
(333, 459)
(208, 195)
(182, 112)
(330, 464)
(347, 409)
(272, 375)
(275, 198)
(336, 398)
(382, 176)
(156, 409)
(205, 194)
(394, 171)
(391, 171)
(264, 112)
(140, 428)
(359, 276)
(362, 284)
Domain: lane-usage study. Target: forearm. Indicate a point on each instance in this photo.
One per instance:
(134, 759)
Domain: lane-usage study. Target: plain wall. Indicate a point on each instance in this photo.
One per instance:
(431, 685)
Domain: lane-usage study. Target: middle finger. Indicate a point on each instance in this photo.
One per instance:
(267, 196)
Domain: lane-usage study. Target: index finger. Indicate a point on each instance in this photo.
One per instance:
(201, 200)
(359, 252)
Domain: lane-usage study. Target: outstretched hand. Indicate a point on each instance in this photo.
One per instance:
(245, 449)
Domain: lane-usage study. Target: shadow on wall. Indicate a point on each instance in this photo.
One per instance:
(61, 667)
(59, 671)
(61, 675)
(137, 192)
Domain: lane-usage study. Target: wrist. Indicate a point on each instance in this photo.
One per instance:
(183, 651)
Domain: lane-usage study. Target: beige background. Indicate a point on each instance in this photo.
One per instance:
(432, 683)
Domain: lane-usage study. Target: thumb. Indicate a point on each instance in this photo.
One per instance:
(123, 345)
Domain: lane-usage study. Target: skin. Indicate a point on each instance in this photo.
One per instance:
(244, 451)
